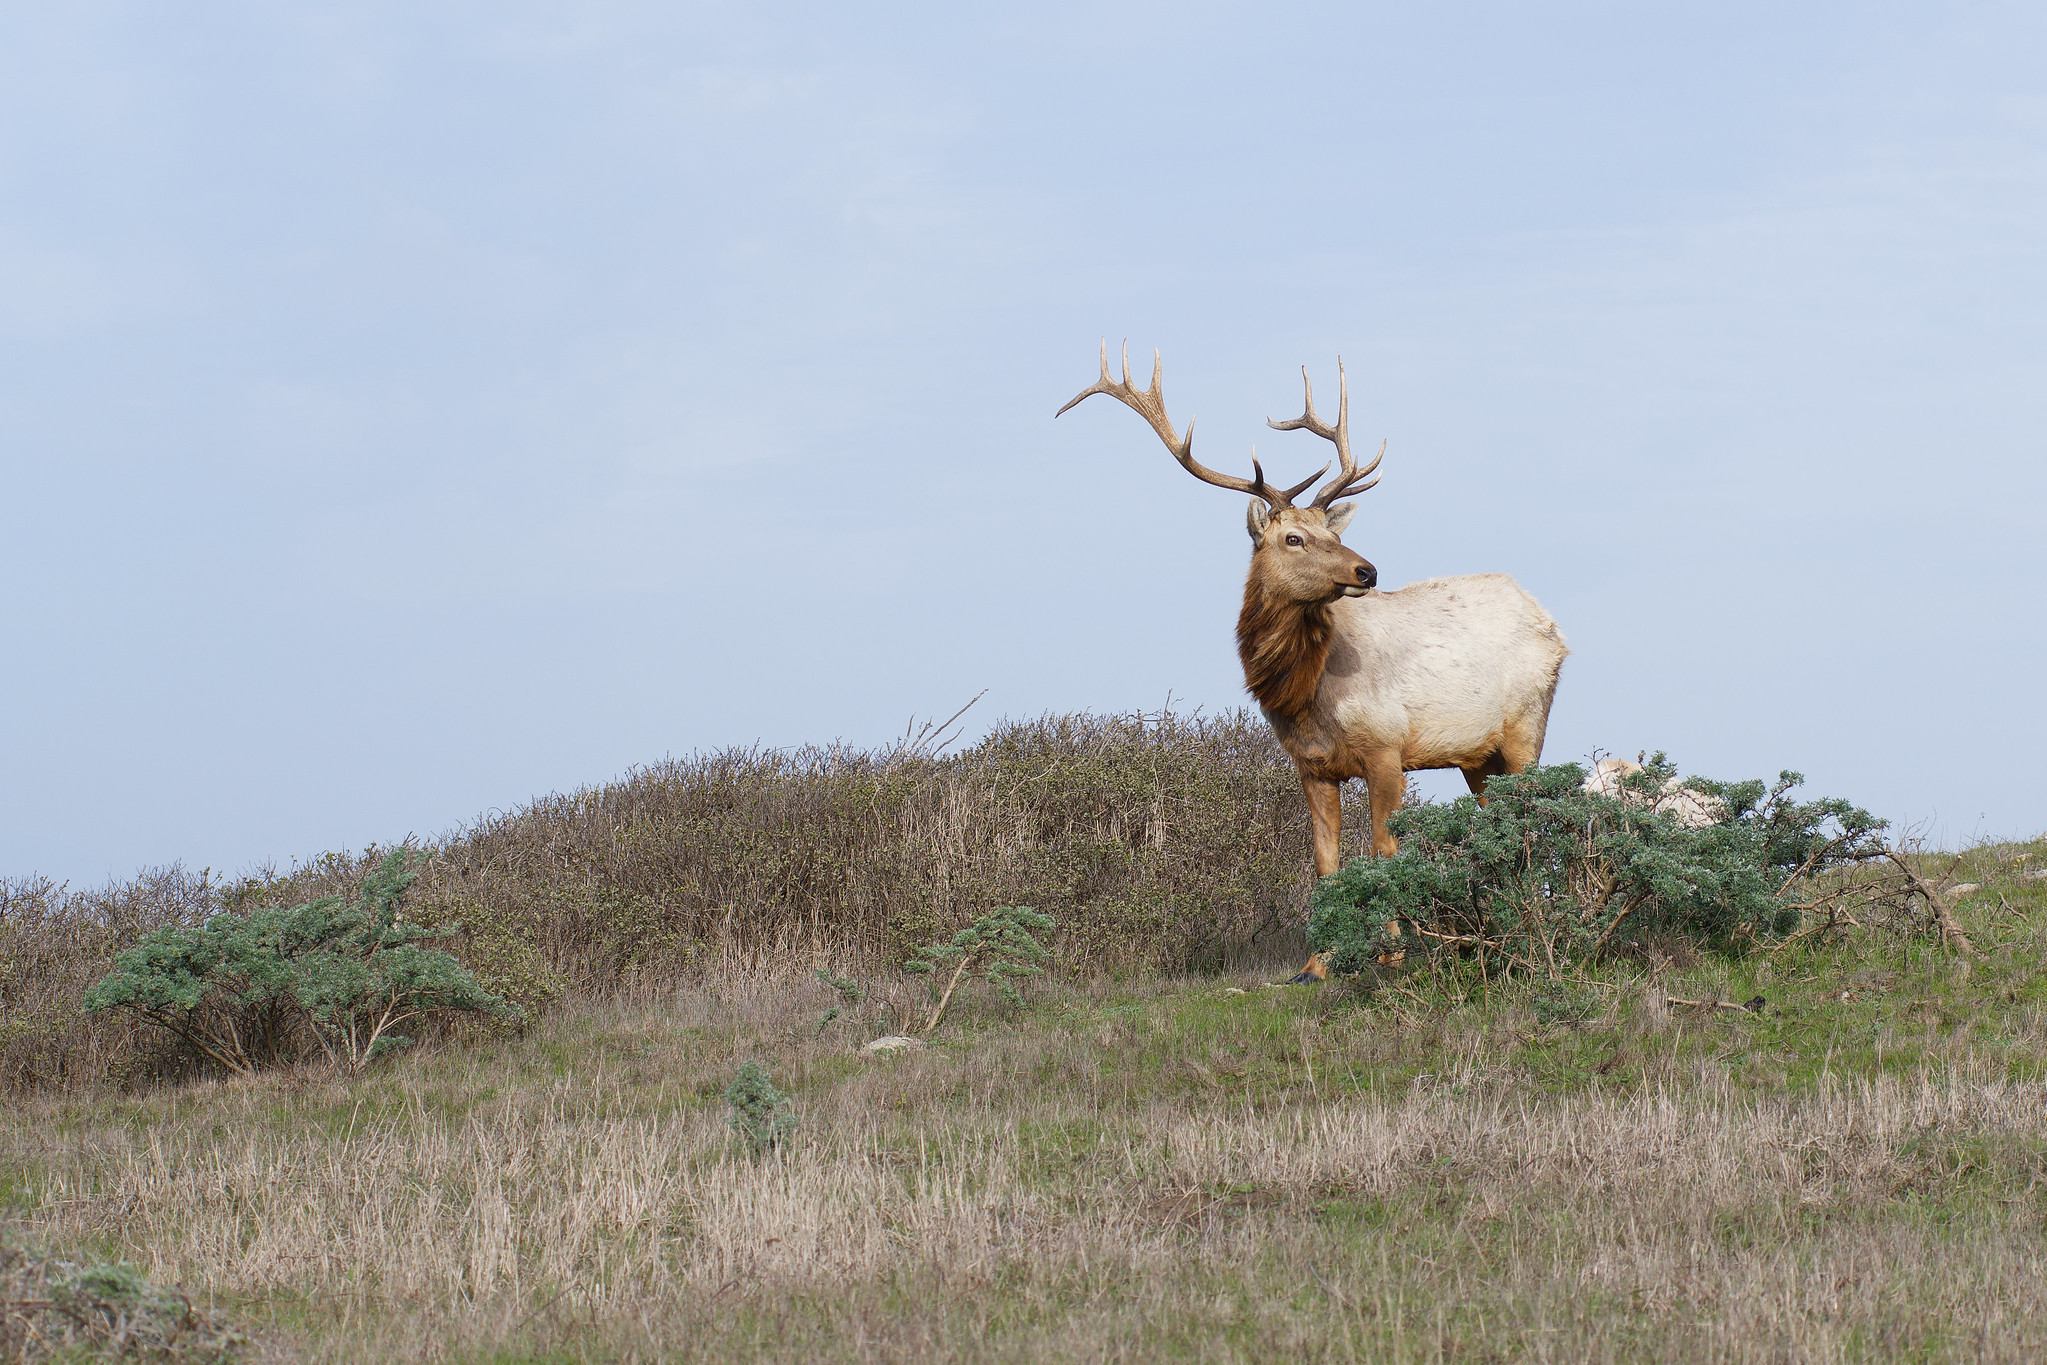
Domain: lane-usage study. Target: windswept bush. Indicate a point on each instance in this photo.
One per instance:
(1001, 948)
(1547, 876)
(1157, 842)
(349, 973)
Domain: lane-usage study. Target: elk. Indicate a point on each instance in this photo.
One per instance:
(1355, 681)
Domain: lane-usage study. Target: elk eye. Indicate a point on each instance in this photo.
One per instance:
(1293, 540)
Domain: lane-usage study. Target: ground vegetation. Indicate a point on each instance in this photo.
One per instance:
(1398, 1169)
(1159, 842)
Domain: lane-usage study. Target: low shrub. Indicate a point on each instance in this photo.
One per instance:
(1000, 948)
(759, 1113)
(349, 972)
(1546, 877)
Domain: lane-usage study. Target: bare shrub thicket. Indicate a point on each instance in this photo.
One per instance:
(1158, 842)
(1155, 842)
(55, 944)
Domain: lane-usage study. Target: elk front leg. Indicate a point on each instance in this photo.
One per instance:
(1325, 812)
(1387, 783)
(1325, 809)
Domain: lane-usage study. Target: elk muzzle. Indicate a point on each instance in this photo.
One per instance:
(1368, 579)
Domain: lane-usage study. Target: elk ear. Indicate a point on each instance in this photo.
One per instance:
(1339, 517)
(1256, 518)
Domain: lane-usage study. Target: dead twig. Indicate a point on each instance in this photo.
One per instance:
(1331, 1290)
(1950, 931)
(1460, 938)
(1752, 1007)
(930, 740)
(1611, 929)
(938, 1010)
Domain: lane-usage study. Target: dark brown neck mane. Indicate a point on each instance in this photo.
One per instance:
(1284, 646)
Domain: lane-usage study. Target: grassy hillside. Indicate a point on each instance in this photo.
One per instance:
(1155, 1156)
(1154, 1169)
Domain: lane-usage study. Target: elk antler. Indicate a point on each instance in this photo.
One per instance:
(1152, 408)
(1346, 481)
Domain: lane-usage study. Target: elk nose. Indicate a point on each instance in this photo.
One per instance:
(1368, 576)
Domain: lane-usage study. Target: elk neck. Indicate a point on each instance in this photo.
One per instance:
(1284, 646)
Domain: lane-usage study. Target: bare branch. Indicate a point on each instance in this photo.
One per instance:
(1949, 930)
(1750, 1008)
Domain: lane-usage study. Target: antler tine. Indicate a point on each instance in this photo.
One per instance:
(1347, 474)
(1151, 406)
(1302, 486)
(1351, 485)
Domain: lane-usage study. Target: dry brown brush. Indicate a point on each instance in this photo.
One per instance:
(53, 1309)
(1157, 842)
(56, 943)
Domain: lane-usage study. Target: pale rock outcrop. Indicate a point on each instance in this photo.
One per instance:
(1693, 810)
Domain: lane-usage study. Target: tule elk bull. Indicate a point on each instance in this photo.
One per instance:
(1355, 681)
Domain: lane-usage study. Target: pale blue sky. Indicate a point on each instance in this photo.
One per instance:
(410, 409)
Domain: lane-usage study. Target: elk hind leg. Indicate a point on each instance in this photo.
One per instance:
(1386, 780)
(1521, 746)
(1478, 774)
(1520, 749)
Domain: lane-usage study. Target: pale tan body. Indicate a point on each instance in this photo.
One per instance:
(1445, 673)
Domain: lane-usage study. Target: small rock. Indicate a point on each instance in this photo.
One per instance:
(2035, 875)
(1964, 889)
(895, 1042)
(1234, 990)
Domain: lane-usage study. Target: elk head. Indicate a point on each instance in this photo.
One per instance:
(1297, 555)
